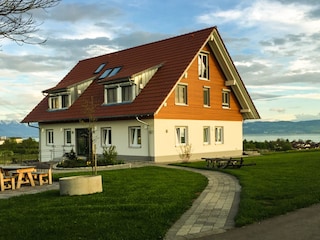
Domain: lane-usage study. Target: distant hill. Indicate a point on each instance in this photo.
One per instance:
(282, 127)
(16, 129)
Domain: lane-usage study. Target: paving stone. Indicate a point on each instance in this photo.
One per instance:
(210, 212)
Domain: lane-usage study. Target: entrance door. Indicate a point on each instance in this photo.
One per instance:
(82, 141)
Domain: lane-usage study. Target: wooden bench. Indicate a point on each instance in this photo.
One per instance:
(6, 182)
(43, 173)
(225, 162)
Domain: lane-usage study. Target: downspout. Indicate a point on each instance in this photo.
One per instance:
(29, 125)
(147, 125)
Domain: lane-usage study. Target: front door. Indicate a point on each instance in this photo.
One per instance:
(82, 141)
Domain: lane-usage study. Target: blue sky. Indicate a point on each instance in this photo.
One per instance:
(273, 43)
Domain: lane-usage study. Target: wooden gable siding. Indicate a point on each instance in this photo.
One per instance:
(195, 109)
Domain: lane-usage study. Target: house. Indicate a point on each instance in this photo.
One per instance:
(151, 101)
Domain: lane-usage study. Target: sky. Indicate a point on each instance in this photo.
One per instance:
(275, 45)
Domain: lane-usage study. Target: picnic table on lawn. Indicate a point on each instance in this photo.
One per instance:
(226, 162)
(24, 174)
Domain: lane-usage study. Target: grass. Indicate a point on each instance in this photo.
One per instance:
(278, 184)
(138, 203)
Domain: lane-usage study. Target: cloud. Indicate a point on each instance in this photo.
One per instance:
(274, 44)
(265, 15)
(278, 110)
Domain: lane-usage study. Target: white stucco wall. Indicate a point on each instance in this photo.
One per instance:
(120, 138)
(167, 149)
(158, 139)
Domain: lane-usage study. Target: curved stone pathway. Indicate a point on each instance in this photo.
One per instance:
(212, 212)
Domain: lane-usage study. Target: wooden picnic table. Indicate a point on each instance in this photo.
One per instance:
(24, 174)
(225, 162)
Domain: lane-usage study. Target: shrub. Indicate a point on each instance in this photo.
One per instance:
(109, 156)
(70, 160)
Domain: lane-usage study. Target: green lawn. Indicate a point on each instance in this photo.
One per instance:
(142, 203)
(138, 203)
(279, 183)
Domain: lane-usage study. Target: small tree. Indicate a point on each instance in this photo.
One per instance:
(89, 109)
(185, 152)
(16, 19)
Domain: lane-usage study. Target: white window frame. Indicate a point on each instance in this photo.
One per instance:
(124, 97)
(206, 97)
(67, 139)
(135, 138)
(203, 66)
(106, 94)
(181, 135)
(106, 136)
(55, 101)
(119, 93)
(226, 98)
(181, 94)
(206, 135)
(219, 135)
(49, 137)
(66, 101)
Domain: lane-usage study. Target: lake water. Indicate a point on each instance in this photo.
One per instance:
(291, 137)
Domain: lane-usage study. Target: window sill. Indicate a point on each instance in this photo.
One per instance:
(135, 146)
(115, 103)
(204, 79)
(57, 109)
(181, 104)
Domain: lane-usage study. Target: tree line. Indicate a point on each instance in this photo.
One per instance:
(27, 146)
(279, 145)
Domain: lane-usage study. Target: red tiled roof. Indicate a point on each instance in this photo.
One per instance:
(175, 54)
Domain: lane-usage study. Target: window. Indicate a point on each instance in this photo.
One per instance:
(54, 103)
(219, 134)
(203, 65)
(111, 95)
(182, 94)
(226, 98)
(206, 135)
(64, 101)
(114, 71)
(181, 136)
(119, 93)
(59, 101)
(206, 96)
(105, 73)
(49, 137)
(110, 72)
(67, 136)
(126, 93)
(99, 68)
(106, 137)
(135, 136)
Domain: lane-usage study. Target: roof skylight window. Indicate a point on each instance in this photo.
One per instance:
(114, 71)
(110, 72)
(106, 73)
(100, 68)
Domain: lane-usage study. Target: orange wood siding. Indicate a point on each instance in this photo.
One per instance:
(195, 109)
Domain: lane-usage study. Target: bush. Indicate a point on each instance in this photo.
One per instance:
(109, 156)
(70, 160)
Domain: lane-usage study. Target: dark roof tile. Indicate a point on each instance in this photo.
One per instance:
(174, 53)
